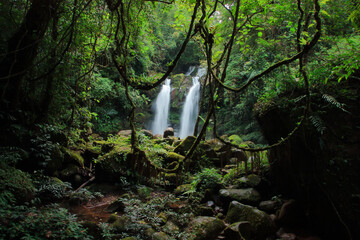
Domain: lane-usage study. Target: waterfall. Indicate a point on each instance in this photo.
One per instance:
(161, 108)
(191, 106)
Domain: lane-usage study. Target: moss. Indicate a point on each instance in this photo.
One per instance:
(206, 228)
(144, 192)
(72, 156)
(120, 224)
(182, 189)
(185, 145)
(112, 218)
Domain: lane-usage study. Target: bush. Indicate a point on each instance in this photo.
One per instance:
(208, 178)
(50, 222)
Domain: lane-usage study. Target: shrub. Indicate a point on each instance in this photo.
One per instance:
(50, 222)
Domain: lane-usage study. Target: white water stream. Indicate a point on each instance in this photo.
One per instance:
(161, 109)
(191, 106)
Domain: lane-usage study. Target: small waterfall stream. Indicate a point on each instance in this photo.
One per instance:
(191, 106)
(161, 109)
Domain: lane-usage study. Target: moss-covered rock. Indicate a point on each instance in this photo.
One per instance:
(172, 156)
(129, 238)
(259, 220)
(249, 181)
(93, 229)
(56, 161)
(182, 189)
(115, 206)
(144, 192)
(205, 228)
(171, 228)
(239, 231)
(185, 145)
(120, 224)
(204, 211)
(247, 195)
(112, 218)
(111, 166)
(160, 236)
(70, 171)
(73, 157)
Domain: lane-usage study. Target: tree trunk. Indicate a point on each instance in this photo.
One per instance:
(23, 49)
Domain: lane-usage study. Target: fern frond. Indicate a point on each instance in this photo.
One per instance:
(318, 124)
(330, 99)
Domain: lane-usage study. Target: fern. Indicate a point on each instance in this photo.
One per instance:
(318, 123)
(330, 99)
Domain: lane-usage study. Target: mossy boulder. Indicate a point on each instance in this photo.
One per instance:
(93, 229)
(204, 211)
(56, 161)
(144, 192)
(205, 228)
(182, 189)
(239, 231)
(129, 238)
(259, 220)
(160, 236)
(185, 145)
(247, 195)
(73, 157)
(173, 157)
(115, 206)
(119, 225)
(170, 227)
(69, 172)
(249, 181)
(111, 166)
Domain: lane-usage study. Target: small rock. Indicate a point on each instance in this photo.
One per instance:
(170, 227)
(115, 206)
(269, 206)
(124, 133)
(160, 236)
(144, 192)
(204, 211)
(149, 232)
(168, 132)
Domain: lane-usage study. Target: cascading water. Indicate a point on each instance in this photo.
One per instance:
(161, 108)
(191, 106)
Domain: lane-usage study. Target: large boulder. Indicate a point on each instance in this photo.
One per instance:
(205, 228)
(169, 132)
(124, 133)
(111, 166)
(259, 220)
(239, 231)
(249, 181)
(185, 145)
(147, 133)
(247, 195)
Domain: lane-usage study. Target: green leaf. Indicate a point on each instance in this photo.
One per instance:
(260, 34)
